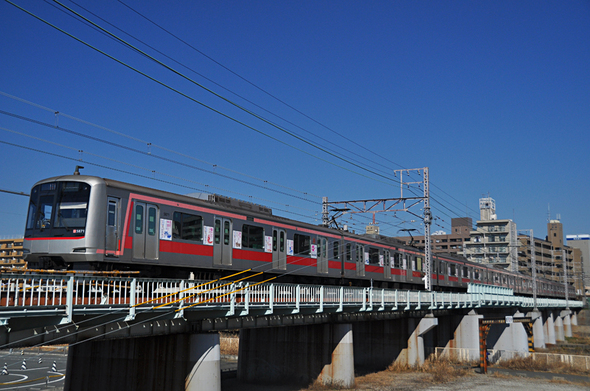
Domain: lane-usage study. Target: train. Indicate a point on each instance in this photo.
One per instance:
(81, 222)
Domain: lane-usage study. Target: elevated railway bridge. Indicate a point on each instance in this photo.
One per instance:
(137, 333)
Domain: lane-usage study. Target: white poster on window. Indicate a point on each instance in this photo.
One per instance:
(237, 239)
(366, 258)
(314, 251)
(165, 229)
(381, 260)
(289, 247)
(404, 263)
(268, 244)
(208, 237)
(391, 262)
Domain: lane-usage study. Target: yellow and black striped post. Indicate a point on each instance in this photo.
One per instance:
(483, 348)
(528, 327)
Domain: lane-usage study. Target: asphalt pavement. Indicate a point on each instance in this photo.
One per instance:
(32, 369)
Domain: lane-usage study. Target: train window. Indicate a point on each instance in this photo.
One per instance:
(348, 252)
(282, 241)
(302, 244)
(386, 259)
(465, 272)
(419, 263)
(336, 250)
(476, 274)
(187, 227)
(275, 240)
(111, 214)
(360, 253)
(373, 256)
(252, 237)
(139, 219)
(151, 221)
(397, 260)
(453, 270)
(72, 205)
(226, 233)
(217, 231)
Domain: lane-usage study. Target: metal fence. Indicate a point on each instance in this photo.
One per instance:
(22, 295)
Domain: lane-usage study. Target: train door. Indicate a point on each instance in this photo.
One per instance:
(386, 264)
(222, 241)
(279, 252)
(322, 255)
(145, 234)
(112, 228)
(360, 260)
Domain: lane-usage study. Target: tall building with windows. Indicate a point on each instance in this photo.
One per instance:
(492, 241)
(553, 260)
(443, 243)
(11, 253)
(582, 243)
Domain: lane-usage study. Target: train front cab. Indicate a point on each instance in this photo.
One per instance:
(64, 224)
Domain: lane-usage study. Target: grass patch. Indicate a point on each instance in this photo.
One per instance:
(440, 370)
(229, 344)
(542, 365)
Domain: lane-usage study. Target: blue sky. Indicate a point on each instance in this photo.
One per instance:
(492, 96)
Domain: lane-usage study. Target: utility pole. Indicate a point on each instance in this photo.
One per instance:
(563, 256)
(400, 204)
(533, 267)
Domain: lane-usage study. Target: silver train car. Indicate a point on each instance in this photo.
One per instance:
(79, 222)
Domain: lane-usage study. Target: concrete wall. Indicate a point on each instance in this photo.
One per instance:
(150, 363)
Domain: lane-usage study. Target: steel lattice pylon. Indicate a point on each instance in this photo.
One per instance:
(400, 204)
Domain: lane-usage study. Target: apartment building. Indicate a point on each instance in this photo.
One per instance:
(11, 253)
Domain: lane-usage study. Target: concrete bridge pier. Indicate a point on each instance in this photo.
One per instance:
(538, 331)
(549, 328)
(170, 362)
(298, 354)
(415, 353)
(559, 332)
(567, 323)
(574, 319)
(465, 338)
(512, 338)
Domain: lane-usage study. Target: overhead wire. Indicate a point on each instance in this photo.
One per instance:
(271, 95)
(215, 83)
(178, 73)
(201, 103)
(158, 81)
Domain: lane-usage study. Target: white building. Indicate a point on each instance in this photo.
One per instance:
(493, 241)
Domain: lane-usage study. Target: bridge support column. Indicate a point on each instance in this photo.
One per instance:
(416, 354)
(298, 354)
(567, 323)
(559, 334)
(549, 328)
(465, 342)
(172, 362)
(574, 317)
(512, 339)
(538, 332)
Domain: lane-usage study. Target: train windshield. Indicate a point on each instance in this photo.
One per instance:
(58, 209)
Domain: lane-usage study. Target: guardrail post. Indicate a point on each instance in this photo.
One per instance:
(321, 309)
(297, 299)
(408, 301)
(70, 300)
(370, 299)
(341, 306)
(232, 300)
(247, 299)
(395, 307)
(271, 298)
(132, 295)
